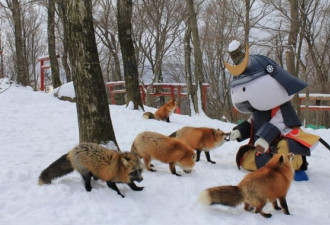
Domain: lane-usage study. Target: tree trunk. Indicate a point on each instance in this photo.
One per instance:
(52, 46)
(120, 99)
(292, 42)
(191, 90)
(197, 51)
(124, 8)
(92, 105)
(2, 75)
(114, 51)
(64, 58)
(22, 71)
(247, 21)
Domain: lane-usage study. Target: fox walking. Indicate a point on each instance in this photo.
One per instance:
(201, 139)
(268, 183)
(150, 145)
(93, 160)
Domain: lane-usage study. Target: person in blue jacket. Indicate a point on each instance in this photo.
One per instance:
(262, 88)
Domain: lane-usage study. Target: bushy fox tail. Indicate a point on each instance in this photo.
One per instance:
(224, 195)
(148, 115)
(58, 168)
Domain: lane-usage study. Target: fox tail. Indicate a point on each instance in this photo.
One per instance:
(224, 195)
(58, 168)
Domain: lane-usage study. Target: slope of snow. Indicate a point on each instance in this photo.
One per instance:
(37, 128)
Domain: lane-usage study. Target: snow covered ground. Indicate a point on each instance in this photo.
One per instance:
(36, 128)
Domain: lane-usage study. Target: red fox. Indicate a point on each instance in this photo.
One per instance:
(150, 145)
(93, 160)
(163, 113)
(201, 139)
(266, 184)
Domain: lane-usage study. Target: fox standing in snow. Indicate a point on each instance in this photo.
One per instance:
(93, 160)
(268, 183)
(201, 139)
(164, 112)
(151, 145)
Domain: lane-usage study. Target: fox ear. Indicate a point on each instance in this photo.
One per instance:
(125, 161)
(281, 160)
(290, 156)
(214, 132)
(194, 156)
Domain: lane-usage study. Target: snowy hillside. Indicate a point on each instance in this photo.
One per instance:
(36, 128)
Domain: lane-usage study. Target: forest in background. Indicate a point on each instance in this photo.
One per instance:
(295, 33)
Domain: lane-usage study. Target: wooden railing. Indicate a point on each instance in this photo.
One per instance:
(174, 90)
(315, 102)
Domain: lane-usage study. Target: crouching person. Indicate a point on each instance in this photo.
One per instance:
(262, 88)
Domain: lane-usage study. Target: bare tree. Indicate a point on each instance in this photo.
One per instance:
(218, 29)
(191, 89)
(52, 44)
(21, 64)
(2, 74)
(106, 29)
(92, 106)
(317, 36)
(198, 69)
(300, 24)
(157, 28)
(124, 8)
(292, 42)
(64, 39)
(32, 20)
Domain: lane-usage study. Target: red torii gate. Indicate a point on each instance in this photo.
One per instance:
(43, 67)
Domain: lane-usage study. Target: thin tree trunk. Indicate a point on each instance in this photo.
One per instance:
(22, 71)
(2, 75)
(247, 21)
(124, 8)
(52, 45)
(197, 50)
(191, 90)
(92, 105)
(64, 58)
(292, 42)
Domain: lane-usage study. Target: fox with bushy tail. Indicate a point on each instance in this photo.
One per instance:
(93, 160)
(201, 139)
(151, 145)
(268, 183)
(164, 112)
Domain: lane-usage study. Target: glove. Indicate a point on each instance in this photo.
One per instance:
(261, 145)
(234, 135)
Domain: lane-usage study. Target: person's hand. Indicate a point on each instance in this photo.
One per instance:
(260, 149)
(234, 135)
(261, 145)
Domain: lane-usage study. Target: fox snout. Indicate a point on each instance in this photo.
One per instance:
(139, 179)
(227, 136)
(136, 177)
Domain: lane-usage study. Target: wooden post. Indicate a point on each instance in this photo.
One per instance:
(143, 94)
(204, 97)
(172, 92)
(42, 76)
(178, 110)
(112, 95)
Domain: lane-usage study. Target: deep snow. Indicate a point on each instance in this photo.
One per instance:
(36, 128)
